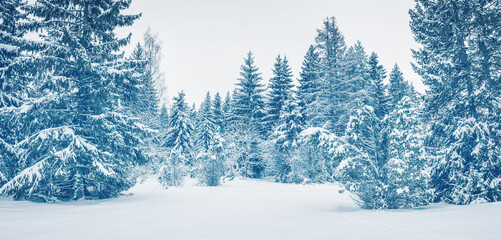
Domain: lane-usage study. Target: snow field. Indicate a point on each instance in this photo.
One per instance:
(241, 209)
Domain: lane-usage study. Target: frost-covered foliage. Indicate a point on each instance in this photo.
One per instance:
(287, 160)
(179, 142)
(248, 120)
(398, 87)
(309, 86)
(320, 152)
(76, 140)
(408, 163)
(65, 166)
(459, 62)
(280, 91)
(385, 164)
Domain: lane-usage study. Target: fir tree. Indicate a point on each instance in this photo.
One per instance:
(280, 90)
(407, 166)
(180, 130)
(331, 48)
(379, 99)
(398, 88)
(288, 162)
(249, 112)
(80, 145)
(12, 84)
(459, 63)
(206, 127)
(218, 112)
(309, 86)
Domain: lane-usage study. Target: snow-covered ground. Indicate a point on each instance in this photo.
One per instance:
(242, 209)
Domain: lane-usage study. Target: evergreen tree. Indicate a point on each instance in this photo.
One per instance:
(459, 62)
(80, 145)
(280, 90)
(206, 127)
(398, 88)
(249, 112)
(218, 112)
(379, 99)
(363, 171)
(12, 84)
(248, 99)
(145, 102)
(179, 132)
(407, 165)
(331, 48)
(309, 86)
(288, 162)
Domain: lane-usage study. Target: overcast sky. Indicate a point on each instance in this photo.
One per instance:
(204, 41)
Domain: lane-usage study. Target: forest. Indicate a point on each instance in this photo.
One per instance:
(83, 119)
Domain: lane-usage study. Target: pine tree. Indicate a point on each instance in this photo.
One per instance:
(180, 130)
(309, 86)
(379, 99)
(363, 170)
(248, 99)
(249, 112)
(398, 88)
(280, 90)
(407, 165)
(288, 162)
(145, 102)
(459, 62)
(331, 48)
(206, 128)
(218, 112)
(80, 144)
(12, 83)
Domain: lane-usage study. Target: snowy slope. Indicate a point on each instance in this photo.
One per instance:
(242, 209)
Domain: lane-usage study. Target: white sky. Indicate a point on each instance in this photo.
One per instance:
(204, 42)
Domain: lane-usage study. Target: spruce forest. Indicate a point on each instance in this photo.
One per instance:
(82, 119)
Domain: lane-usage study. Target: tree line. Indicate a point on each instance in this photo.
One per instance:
(81, 119)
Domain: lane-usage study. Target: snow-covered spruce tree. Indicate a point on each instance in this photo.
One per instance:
(320, 153)
(459, 62)
(205, 127)
(210, 157)
(309, 86)
(218, 112)
(179, 142)
(288, 162)
(398, 87)
(331, 48)
(280, 91)
(407, 167)
(355, 84)
(145, 103)
(379, 100)
(248, 113)
(363, 171)
(80, 145)
(12, 84)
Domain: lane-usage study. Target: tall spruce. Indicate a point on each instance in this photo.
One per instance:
(309, 86)
(288, 160)
(180, 131)
(459, 63)
(331, 47)
(249, 112)
(79, 144)
(12, 83)
(398, 87)
(280, 91)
